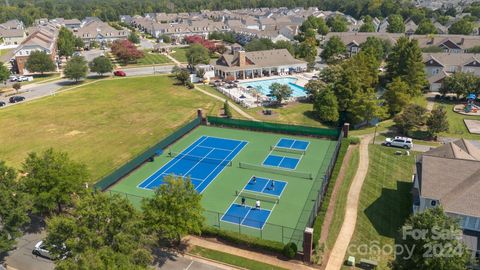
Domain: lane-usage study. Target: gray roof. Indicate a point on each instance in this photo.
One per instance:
(451, 175)
(258, 59)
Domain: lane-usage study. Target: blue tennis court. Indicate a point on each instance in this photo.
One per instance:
(281, 162)
(202, 161)
(293, 144)
(264, 186)
(246, 216)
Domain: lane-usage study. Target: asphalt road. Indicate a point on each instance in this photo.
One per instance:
(23, 259)
(35, 91)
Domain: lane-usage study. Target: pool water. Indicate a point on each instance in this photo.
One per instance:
(263, 86)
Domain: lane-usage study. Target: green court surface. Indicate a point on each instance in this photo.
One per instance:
(288, 217)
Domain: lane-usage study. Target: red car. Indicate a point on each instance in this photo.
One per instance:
(119, 73)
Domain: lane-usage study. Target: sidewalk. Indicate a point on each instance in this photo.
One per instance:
(339, 250)
(197, 241)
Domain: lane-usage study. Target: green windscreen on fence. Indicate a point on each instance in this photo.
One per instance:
(116, 175)
(273, 127)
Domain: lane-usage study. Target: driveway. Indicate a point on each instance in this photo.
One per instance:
(93, 53)
(146, 44)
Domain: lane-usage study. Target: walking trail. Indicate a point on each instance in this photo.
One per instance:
(337, 255)
(197, 241)
(174, 60)
(233, 106)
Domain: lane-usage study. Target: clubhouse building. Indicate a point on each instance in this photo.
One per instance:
(250, 65)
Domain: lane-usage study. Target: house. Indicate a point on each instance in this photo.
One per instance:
(242, 65)
(73, 24)
(353, 41)
(11, 37)
(126, 19)
(42, 39)
(410, 27)
(449, 43)
(100, 32)
(12, 24)
(449, 176)
(440, 65)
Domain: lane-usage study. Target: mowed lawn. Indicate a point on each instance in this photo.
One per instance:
(457, 128)
(149, 58)
(180, 54)
(103, 124)
(385, 204)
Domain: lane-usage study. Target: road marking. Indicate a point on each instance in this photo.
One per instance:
(188, 267)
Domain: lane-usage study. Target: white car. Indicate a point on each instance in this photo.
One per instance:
(41, 250)
(403, 142)
(24, 78)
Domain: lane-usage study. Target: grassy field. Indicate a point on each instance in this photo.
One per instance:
(340, 204)
(180, 54)
(148, 59)
(233, 259)
(221, 192)
(119, 117)
(385, 203)
(457, 128)
(4, 51)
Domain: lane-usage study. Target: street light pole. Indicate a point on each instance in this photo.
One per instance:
(375, 133)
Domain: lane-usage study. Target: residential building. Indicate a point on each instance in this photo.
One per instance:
(353, 41)
(440, 65)
(12, 33)
(410, 27)
(243, 65)
(42, 39)
(100, 32)
(449, 176)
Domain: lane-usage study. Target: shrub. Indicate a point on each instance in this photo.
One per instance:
(438, 96)
(354, 140)
(190, 85)
(245, 240)
(289, 250)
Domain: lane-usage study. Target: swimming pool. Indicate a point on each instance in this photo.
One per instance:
(263, 86)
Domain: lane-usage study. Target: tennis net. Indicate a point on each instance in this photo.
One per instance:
(288, 150)
(200, 159)
(305, 175)
(257, 196)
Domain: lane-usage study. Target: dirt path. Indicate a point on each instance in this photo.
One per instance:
(232, 105)
(337, 255)
(197, 241)
(174, 60)
(333, 199)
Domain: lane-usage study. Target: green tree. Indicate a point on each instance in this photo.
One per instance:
(442, 234)
(322, 28)
(284, 44)
(337, 24)
(397, 96)
(325, 106)
(4, 73)
(226, 109)
(377, 46)
(280, 92)
(165, 38)
(412, 116)
(133, 37)
(15, 207)
(174, 211)
(101, 65)
(461, 84)
(395, 24)
(183, 76)
(437, 121)
(308, 51)
(197, 54)
(333, 49)
(367, 25)
(79, 43)
(17, 86)
(365, 107)
(53, 179)
(76, 68)
(426, 27)
(260, 44)
(65, 42)
(313, 87)
(461, 27)
(102, 232)
(39, 61)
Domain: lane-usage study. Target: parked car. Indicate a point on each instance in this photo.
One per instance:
(403, 142)
(15, 99)
(119, 73)
(13, 78)
(40, 249)
(24, 78)
(2, 103)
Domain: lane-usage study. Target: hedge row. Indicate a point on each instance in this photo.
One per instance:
(244, 240)
(317, 226)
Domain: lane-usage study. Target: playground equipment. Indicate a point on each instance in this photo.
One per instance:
(471, 107)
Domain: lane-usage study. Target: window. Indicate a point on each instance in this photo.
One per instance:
(471, 223)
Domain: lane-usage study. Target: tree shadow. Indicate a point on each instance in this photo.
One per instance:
(36, 225)
(311, 115)
(165, 252)
(389, 212)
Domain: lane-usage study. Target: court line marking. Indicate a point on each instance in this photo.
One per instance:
(239, 224)
(195, 144)
(278, 165)
(233, 151)
(294, 141)
(200, 161)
